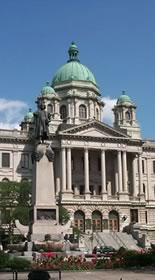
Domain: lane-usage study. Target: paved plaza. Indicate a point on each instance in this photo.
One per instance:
(94, 275)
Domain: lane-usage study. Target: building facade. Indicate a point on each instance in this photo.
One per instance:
(104, 176)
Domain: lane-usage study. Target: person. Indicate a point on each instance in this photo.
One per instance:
(41, 123)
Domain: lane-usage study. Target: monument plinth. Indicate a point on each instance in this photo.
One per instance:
(44, 214)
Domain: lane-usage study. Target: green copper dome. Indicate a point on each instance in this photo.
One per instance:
(73, 69)
(124, 99)
(29, 116)
(47, 89)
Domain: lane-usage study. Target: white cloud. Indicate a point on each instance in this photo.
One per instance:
(107, 114)
(11, 113)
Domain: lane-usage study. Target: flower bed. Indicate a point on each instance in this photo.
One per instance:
(50, 260)
(119, 260)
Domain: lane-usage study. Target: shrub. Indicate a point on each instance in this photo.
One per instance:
(18, 263)
(4, 258)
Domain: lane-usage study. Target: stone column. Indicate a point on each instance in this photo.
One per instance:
(119, 160)
(103, 176)
(63, 169)
(125, 172)
(134, 176)
(140, 177)
(125, 194)
(69, 170)
(57, 172)
(86, 173)
(116, 177)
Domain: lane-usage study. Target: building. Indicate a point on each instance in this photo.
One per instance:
(105, 176)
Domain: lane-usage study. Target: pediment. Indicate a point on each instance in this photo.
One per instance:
(94, 129)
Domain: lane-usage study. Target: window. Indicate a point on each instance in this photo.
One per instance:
(5, 180)
(63, 112)
(82, 112)
(25, 161)
(134, 215)
(5, 160)
(97, 113)
(127, 116)
(143, 188)
(50, 108)
(154, 166)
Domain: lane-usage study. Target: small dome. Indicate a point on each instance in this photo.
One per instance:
(29, 116)
(73, 69)
(47, 89)
(124, 99)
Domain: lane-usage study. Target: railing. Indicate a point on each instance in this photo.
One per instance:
(15, 273)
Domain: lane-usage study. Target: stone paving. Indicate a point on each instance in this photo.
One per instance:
(94, 275)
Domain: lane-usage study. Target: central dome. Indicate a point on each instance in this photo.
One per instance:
(73, 69)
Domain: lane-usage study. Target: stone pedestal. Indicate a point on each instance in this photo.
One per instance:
(124, 196)
(44, 214)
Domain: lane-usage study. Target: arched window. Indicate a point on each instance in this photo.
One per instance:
(113, 221)
(97, 220)
(144, 188)
(79, 220)
(127, 116)
(82, 112)
(50, 108)
(97, 114)
(24, 180)
(5, 180)
(63, 112)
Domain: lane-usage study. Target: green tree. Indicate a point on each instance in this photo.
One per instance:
(15, 200)
(64, 215)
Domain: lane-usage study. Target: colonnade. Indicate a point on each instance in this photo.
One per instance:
(121, 184)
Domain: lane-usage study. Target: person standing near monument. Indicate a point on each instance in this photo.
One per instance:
(41, 123)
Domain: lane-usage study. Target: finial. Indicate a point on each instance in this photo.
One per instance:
(123, 92)
(73, 52)
(47, 83)
(30, 110)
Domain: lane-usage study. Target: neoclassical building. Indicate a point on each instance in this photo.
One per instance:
(104, 176)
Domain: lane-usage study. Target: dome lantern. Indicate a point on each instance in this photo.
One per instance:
(73, 52)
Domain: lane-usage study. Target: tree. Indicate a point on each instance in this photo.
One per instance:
(64, 215)
(14, 204)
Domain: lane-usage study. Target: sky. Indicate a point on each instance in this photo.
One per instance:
(116, 41)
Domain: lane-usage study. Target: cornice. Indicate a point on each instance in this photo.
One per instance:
(104, 203)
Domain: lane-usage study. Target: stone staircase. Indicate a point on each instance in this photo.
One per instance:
(113, 239)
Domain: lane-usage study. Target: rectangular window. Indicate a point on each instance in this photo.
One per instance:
(134, 215)
(5, 160)
(25, 161)
(154, 166)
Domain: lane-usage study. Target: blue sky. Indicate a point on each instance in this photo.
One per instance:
(115, 38)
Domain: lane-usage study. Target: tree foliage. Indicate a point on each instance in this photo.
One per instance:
(15, 199)
(64, 215)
